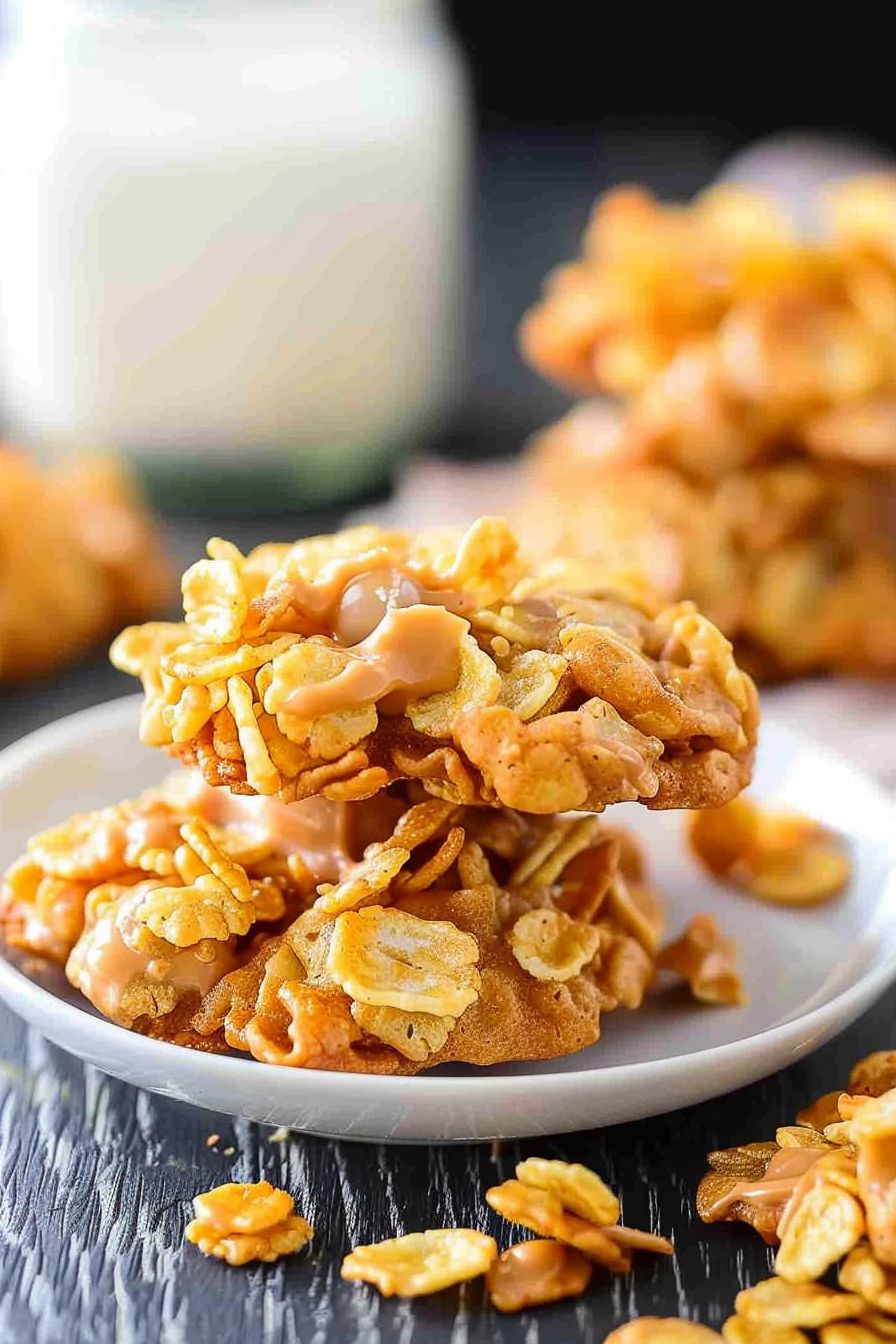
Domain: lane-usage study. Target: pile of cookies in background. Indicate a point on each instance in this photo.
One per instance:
(746, 459)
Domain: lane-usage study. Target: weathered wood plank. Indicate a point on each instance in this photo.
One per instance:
(96, 1177)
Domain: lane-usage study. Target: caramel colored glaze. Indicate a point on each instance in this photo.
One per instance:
(413, 652)
(103, 966)
(316, 828)
(774, 1190)
(535, 1272)
(368, 597)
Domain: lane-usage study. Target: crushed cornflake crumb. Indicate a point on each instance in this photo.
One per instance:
(212, 1140)
(279, 1135)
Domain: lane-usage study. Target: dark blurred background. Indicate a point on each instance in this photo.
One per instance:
(550, 86)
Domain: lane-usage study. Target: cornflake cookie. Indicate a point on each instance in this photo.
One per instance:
(790, 556)
(239, 1223)
(728, 333)
(80, 555)
(385, 935)
(340, 664)
(781, 857)
(825, 1192)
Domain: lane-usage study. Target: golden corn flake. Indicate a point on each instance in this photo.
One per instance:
(239, 1223)
(421, 1262)
(414, 1035)
(810, 1305)
(662, 1330)
(216, 860)
(140, 647)
(874, 1075)
(478, 684)
(799, 1136)
(201, 664)
(852, 1332)
(184, 916)
(578, 1188)
(530, 680)
(778, 856)
(261, 772)
(738, 1330)
(89, 845)
(368, 879)
(707, 961)
(551, 946)
(215, 602)
(861, 1273)
(389, 958)
(821, 1113)
(825, 1225)
(542, 1212)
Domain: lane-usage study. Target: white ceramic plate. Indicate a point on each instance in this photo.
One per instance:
(810, 972)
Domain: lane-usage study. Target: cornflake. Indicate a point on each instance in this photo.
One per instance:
(662, 1330)
(578, 1188)
(778, 856)
(421, 1262)
(551, 946)
(239, 1223)
(389, 958)
(707, 961)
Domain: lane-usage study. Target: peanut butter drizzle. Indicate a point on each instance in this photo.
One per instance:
(316, 828)
(412, 653)
(342, 583)
(365, 601)
(102, 965)
(776, 1187)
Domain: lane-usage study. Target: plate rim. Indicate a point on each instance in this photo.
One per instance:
(802, 1032)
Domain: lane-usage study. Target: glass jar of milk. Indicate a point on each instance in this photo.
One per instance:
(231, 237)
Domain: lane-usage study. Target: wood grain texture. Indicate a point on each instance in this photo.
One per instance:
(96, 1178)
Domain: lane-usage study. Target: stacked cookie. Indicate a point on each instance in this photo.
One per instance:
(748, 459)
(384, 852)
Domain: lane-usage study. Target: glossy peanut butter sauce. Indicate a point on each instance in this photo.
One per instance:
(102, 965)
(413, 652)
(786, 1169)
(316, 828)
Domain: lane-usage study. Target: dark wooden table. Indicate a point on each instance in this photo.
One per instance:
(96, 1177)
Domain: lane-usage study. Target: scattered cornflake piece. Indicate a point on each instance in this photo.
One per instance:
(533, 1273)
(823, 1224)
(707, 961)
(860, 1273)
(542, 1212)
(874, 1075)
(421, 1262)
(810, 1305)
(778, 856)
(738, 1330)
(212, 1140)
(238, 1223)
(662, 1330)
(279, 1135)
(579, 1189)
(821, 1113)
